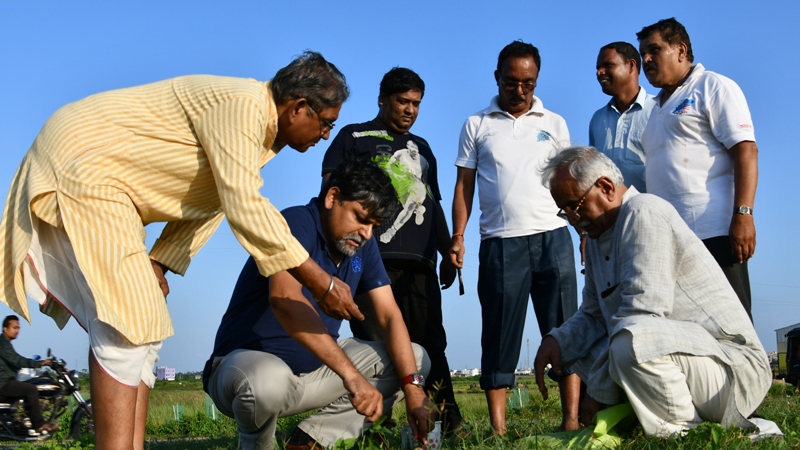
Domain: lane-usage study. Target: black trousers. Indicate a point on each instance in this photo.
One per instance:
(736, 273)
(416, 290)
(16, 390)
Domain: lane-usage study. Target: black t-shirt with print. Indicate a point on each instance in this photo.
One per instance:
(409, 162)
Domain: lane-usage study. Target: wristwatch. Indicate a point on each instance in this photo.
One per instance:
(744, 210)
(415, 378)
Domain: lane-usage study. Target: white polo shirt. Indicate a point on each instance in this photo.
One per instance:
(686, 144)
(508, 154)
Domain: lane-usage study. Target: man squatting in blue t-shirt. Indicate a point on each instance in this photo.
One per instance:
(275, 353)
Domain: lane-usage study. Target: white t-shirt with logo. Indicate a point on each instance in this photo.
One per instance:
(508, 154)
(686, 144)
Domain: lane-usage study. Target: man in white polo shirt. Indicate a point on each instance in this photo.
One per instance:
(700, 150)
(526, 249)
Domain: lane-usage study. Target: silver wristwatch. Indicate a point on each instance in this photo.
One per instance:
(415, 378)
(744, 210)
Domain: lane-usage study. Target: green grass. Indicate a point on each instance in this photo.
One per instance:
(196, 431)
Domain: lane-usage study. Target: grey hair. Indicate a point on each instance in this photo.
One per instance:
(311, 77)
(585, 164)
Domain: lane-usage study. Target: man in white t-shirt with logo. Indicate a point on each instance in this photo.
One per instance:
(700, 150)
(526, 249)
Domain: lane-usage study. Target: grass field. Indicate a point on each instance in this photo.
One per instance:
(196, 431)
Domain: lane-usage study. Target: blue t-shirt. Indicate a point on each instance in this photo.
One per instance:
(250, 323)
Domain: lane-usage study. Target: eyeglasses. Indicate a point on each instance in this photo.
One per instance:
(325, 123)
(509, 85)
(572, 214)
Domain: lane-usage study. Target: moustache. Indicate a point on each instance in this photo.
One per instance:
(355, 238)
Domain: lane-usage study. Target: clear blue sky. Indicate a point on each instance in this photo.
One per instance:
(53, 53)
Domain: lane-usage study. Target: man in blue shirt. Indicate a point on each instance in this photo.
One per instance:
(276, 354)
(616, 128)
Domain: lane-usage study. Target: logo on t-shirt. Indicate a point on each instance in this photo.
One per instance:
(355, 263)
(684, 107)
(542, 136)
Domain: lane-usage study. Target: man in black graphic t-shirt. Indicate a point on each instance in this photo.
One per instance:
(409, 240)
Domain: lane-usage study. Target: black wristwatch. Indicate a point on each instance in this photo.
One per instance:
(744, 210)
(415, 378)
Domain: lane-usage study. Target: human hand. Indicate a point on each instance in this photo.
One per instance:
(742, 234)
(549, 353)
(367, 400)
(47, 362)
(339, 304)
(447, 273)
(160, 271)
(457, 252)
(421, 413)
(589, 409)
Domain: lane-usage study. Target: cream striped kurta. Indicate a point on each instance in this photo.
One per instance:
(186, 151)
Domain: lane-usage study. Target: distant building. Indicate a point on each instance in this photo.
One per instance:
(465, 373)
(524, 371)
(165, 373)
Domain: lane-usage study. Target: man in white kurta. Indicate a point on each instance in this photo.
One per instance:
(659, 323)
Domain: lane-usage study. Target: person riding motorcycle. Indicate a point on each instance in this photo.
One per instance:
(10, 363)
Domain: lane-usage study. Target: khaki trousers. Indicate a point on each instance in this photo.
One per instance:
(256, 388)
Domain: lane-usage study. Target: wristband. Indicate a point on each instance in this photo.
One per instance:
(330, 288)
(458, 234)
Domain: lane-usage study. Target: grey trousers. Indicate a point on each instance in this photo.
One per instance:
(256, 388)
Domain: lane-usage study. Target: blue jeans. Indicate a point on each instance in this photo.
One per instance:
(541, 266)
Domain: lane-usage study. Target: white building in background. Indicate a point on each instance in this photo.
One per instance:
(465, 373)
(165, 373)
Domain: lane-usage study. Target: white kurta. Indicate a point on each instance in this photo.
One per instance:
(650, 275)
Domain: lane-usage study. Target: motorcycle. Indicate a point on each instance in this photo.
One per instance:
(55, 386)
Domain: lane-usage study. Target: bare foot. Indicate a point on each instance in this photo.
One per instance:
(569, 424)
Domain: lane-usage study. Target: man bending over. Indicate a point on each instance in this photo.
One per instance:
(276, 354)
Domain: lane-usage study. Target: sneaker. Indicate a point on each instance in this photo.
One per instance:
(300, 440)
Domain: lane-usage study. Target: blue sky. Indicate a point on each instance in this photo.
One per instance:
(53, 53)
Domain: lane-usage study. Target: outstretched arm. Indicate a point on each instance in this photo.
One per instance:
(419, 410)
(301, 321)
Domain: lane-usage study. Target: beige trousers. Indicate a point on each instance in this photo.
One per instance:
(673, 393)
(256, 388)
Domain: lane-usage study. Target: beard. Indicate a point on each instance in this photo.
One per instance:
(346, 248)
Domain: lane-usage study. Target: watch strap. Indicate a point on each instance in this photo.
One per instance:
(414, 378)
